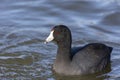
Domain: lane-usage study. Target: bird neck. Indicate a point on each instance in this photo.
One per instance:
(64, 52)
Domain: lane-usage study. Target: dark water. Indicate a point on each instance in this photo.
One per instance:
(24, 24)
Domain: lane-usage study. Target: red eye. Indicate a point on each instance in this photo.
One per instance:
(56, 32)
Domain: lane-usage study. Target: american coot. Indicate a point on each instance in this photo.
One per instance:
(91, 58)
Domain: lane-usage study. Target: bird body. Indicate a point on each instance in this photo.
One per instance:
(91, 58)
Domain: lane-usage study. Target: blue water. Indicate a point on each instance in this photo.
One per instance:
(25, 24)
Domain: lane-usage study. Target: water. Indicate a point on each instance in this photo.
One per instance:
(25, 24)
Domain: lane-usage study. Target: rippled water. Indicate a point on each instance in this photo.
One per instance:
(24, 25)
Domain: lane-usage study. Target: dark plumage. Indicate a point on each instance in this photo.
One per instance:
(91, 58)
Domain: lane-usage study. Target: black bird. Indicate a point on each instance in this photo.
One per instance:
(91, 58)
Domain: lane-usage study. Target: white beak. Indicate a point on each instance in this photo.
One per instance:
(50, 37)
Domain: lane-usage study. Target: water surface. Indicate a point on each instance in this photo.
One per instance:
(25, 24)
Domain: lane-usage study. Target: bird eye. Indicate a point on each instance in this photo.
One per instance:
(56, 32)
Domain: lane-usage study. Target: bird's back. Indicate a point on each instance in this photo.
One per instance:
(91, 58)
